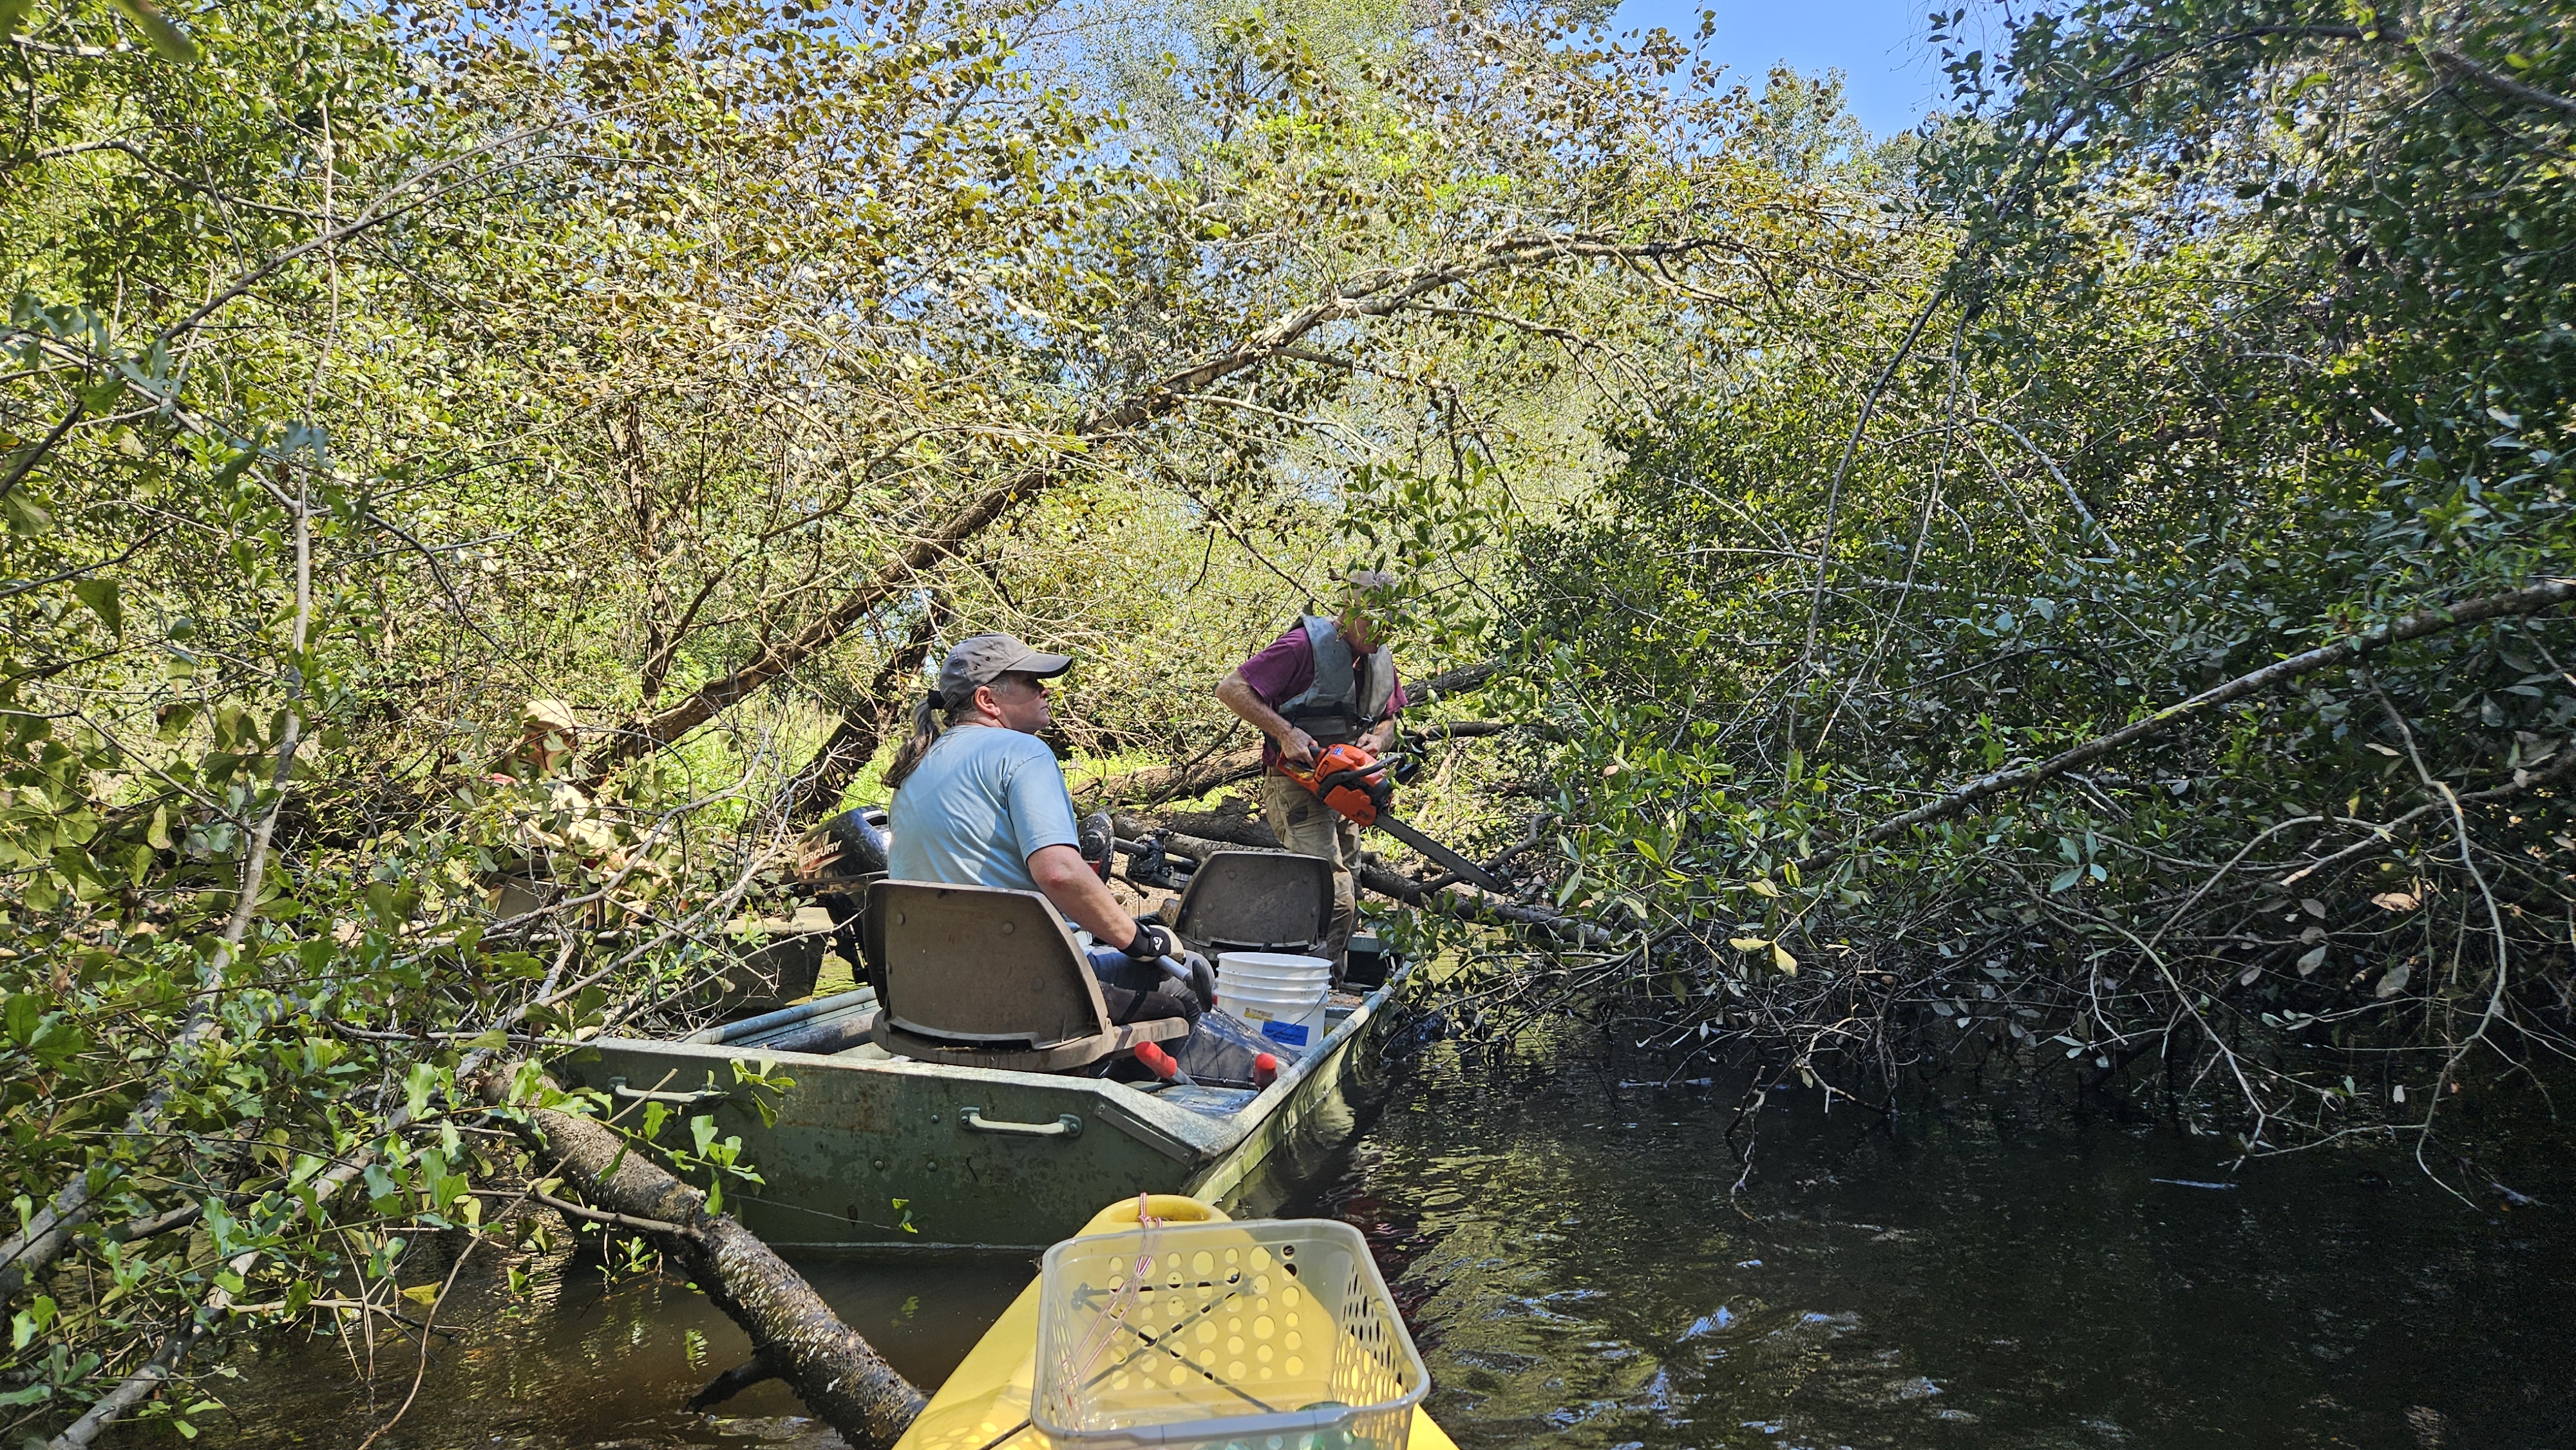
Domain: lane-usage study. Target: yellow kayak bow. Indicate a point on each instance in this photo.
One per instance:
(985, 1404)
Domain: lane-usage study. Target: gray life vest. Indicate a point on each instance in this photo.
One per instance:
(1348, 696)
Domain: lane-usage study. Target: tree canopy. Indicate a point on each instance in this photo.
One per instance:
(2080, 584)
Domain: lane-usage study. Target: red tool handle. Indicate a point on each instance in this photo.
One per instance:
(1154, 1057)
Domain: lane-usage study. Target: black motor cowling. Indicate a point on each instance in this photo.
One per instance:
(861, 835)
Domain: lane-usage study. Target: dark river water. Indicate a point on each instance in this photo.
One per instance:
(1993, 1269)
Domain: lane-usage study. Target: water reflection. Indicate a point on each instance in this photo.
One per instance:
(1989, 1273)
(593, 1364)
(1992, 1272)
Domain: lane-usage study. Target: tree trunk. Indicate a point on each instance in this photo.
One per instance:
(1223, 833)
(1169, 782)
(863, 725)
(2548, 594)
(839, 1376)
(1160, 783)
(1452, 682)
(937, 540)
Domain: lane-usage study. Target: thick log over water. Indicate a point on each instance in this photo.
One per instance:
(838, 1375)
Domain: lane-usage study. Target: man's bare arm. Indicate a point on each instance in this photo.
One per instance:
(1236, 695)
(1081, 895)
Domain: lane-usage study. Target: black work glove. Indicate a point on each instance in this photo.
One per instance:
(1153, 939)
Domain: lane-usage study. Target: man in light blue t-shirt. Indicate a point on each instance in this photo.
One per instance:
(980, 803)
(983, 802)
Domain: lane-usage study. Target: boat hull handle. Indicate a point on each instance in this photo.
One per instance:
(1066, 1125)
(703, 1097)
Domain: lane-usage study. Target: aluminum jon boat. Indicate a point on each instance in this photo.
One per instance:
(874, 1154)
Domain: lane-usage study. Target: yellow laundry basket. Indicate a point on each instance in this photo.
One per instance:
(1260, 1334)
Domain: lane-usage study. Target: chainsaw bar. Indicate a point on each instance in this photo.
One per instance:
(1466, 870)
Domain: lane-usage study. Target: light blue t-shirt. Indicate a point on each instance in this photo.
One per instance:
(977, 807)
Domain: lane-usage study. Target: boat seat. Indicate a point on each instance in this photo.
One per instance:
(1263, 901)
(983, 977)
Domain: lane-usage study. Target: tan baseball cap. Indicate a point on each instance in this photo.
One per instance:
(982, 659)
(548, 714)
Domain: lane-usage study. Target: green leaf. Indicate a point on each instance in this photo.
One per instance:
(168, 39)
(100, 595)
(29, 1322)
(22, 1015)
(419, 1087)
(24, 515)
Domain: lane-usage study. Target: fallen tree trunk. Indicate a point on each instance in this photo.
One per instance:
(816, 790)
(933, 541)
(1452, 682)
(1160, 783)
(1464, 903)
(838, 1374)
(2548, 594)
(1171, 782)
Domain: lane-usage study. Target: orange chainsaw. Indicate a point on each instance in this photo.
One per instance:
(1354, 784)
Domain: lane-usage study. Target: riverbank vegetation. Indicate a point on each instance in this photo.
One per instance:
(2135, 637)
(702, 368)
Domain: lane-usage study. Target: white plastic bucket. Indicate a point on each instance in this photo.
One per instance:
(1280, 994)
(1277, 971)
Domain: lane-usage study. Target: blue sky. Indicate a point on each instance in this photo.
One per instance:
(1891, 75)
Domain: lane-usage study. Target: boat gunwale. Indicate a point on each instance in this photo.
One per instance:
(1208, 1137)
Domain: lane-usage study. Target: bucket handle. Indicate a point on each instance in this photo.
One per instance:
(1066, 1125)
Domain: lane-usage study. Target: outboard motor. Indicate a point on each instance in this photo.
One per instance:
(861, 835)
(861, 846)
(1098, 843)
(859, 859)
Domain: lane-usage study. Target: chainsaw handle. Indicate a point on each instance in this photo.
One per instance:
(1345, 770)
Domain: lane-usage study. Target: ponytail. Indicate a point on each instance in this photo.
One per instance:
(925, 732)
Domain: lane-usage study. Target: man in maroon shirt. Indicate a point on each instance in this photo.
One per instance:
(1322, 682)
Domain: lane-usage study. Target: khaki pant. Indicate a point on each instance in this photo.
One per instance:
(1308, 827)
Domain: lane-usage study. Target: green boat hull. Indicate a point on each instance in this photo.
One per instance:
(871, 1155)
